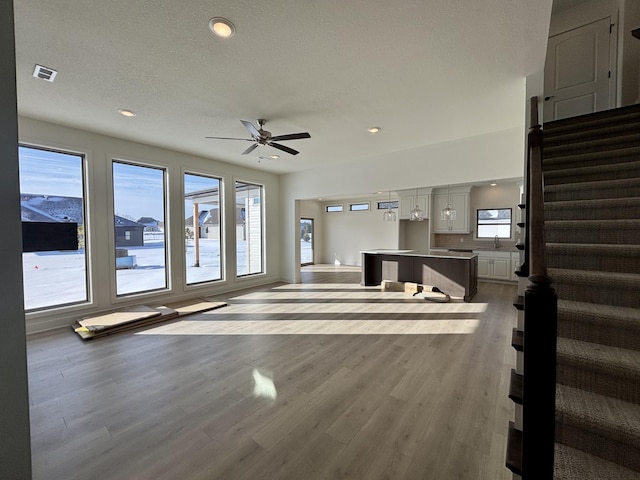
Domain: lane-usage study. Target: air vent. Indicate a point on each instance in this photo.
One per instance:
(44, 73)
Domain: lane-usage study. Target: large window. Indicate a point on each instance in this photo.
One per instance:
(53, 212)
(494, 222)
(249, 233)
(139, 198)
(202, 228)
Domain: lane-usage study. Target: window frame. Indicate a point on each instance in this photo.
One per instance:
(384, 205)
(86, 227)
(478, 224)
(360, 204)
(117, 297)
(221, 228)
(262, 227)
(334, 208)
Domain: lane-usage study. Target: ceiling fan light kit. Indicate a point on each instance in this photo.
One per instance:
(260, 136)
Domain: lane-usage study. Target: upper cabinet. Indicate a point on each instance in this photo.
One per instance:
(458, 198)
(410, 198)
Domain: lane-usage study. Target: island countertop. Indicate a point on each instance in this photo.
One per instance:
(417, 253)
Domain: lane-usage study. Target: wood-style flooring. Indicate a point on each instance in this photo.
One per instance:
(320, 380)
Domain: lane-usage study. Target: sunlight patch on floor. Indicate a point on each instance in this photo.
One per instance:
(317, 327)
(351, 308)
(325, 286)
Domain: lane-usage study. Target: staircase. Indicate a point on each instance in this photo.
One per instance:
(591, 168)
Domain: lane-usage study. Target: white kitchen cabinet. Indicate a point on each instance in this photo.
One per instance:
(494, 265)
(460, 203)
(409, 201)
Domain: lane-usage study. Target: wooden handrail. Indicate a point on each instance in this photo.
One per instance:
(535, 203)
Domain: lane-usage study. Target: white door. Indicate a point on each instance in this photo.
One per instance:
(577, 71)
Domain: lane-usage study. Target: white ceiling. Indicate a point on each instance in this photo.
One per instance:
(425, 71)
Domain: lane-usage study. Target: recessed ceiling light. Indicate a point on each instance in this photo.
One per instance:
(374, 129)
(493, 184)
(275, 157)
(126, 113)
(222, 27)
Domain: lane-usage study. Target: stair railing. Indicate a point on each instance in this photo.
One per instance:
(535, 442)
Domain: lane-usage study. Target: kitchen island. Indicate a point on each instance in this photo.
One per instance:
(454, 273)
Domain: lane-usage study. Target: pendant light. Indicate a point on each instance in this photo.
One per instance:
(389, 215)
(416, 215)
(448, 213)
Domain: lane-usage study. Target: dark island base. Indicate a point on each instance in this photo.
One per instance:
(457, 277)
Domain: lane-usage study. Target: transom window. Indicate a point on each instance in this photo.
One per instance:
(359, 207)
(333, 208)
(387, 205)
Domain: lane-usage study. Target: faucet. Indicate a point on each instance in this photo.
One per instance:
(496, 242)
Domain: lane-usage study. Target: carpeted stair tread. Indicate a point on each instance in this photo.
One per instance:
(604, 324)
(607, 427)
(610, 171)
(611, 288)
(554, 133)
(594, 256)
(592, 231)
(603, 359)
(620, 154)
(609, 208)
(630, 126)
(628, 187)
(592, 145)
(574, 464)
(588, 121)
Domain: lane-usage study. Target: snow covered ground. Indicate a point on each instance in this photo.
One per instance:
(58, 278)
(306, 251)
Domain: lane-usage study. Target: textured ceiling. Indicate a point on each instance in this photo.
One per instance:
(425, 71)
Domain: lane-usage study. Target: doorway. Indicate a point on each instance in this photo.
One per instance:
(306, 241)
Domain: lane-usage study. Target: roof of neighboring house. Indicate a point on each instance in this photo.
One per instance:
(147, 221)
(51, 208)
(125, 222)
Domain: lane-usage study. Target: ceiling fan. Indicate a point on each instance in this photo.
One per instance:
(262, 137)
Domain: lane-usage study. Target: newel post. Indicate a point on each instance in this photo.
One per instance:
(540, 332)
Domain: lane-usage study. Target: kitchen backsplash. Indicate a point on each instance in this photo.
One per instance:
(453, 241)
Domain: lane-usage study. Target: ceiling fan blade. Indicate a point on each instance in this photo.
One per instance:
(250, 149)
(229, 138)
(283, 148)
(252, 130)
(291, 136)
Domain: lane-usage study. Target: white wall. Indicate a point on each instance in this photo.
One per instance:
(630, 74)
(583, 14)
(15, 441)
(347, 233)
(503, 195)
(100, 150)
(494, 156)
